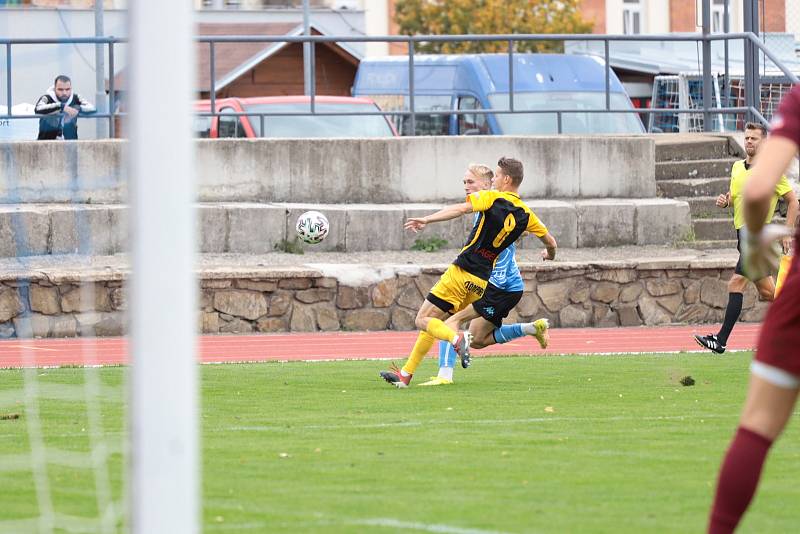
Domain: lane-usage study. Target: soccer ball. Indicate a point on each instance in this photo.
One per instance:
(312, 227)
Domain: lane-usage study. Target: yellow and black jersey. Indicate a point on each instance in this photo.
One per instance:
(502, 219)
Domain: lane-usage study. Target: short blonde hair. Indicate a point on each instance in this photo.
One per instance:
(480, 171)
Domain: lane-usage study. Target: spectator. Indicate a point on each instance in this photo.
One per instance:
(61, 107)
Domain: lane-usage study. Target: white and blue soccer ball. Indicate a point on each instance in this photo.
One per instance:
(312, 227)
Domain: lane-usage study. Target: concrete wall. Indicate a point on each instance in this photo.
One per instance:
(424, 169)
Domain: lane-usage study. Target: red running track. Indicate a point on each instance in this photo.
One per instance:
(366, 345)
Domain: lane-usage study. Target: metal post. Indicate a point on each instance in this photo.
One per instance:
(413, 121)
(707, 126)
(607, 56)
(165, 496)
(558, 121)
(306, 49)
(726, 28)
(112, 127)
(752, 94)
(212, 95)
(511, 75)
(8, 77)
(313, 76)
(99, 70)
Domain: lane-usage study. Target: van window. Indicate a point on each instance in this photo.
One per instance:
(427, 124)
(580, 123)
(230, 125)
(471, 124)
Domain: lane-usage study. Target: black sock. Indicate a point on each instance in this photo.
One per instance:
(732, 312)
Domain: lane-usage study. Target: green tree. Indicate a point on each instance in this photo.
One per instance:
(485, 17)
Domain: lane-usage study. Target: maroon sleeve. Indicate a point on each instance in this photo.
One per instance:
(786, 122)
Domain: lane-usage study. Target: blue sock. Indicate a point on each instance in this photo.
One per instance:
(508, 332)
(447, 354)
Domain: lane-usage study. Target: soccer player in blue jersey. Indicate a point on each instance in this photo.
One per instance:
(503, 217)
(502, 294)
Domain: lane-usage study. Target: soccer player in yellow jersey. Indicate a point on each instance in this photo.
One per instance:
(503, 217)
(754, 134)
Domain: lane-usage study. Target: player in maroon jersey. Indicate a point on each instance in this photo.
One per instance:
(775, 371)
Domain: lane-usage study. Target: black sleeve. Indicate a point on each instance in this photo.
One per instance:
(45, 106)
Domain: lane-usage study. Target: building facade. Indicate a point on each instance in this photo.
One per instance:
(633, 17)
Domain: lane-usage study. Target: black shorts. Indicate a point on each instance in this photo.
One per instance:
(739, 264)
(496, 304)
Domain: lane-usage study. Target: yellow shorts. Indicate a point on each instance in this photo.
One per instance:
(783, 270)
(456, 290)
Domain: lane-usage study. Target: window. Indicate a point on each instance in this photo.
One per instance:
(426, 123)
(202, 127)
(230, 125)
(471, 124)
(631, 17)
(319, 125)
(718, 16)
(571, 122)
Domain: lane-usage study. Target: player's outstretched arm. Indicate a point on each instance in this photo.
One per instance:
(550, 246)
(416, 224)
(773, 159)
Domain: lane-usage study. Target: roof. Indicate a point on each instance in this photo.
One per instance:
(232, 60)
(685, 57)
(443, 74)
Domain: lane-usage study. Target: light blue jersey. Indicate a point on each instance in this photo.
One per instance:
(505, 274)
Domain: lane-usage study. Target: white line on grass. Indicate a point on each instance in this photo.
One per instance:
(388, 522)
(284, 428)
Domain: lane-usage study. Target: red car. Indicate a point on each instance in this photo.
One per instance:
(291, 126)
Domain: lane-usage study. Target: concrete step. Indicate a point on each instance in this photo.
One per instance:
(698, 168)
(709, 229)
(258, 228)
(696, 187)
(708, 244)
(692, 149)
(705, 207)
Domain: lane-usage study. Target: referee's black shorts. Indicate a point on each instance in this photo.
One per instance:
(739, 264)
(496, 304)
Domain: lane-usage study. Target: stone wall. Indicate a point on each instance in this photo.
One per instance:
(357, 298)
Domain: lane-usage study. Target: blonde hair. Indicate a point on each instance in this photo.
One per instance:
(480, 171)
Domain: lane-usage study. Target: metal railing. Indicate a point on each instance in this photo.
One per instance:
(705, 39)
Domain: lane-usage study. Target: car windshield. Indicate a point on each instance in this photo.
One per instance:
(580, 123)
(319, 125)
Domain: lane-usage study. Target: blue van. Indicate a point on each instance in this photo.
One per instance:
(480, 81)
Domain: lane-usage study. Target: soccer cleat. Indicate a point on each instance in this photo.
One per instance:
(462, 348)
(395, 377)
(437, 381)
(710, 342)
(542, 334)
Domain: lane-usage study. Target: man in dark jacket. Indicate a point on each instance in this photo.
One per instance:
(61, 108)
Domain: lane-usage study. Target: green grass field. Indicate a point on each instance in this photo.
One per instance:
(547, 444)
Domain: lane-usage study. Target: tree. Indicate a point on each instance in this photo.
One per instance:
(485, 17)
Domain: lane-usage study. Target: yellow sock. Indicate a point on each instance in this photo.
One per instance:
(421, 348)
(783, 270)
(439, 330)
